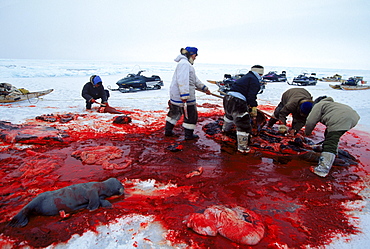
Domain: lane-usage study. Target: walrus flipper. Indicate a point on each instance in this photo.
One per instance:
(105, 203)
(94, 200)
(20, 220)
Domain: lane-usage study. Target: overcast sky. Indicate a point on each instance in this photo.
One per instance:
(295, 33)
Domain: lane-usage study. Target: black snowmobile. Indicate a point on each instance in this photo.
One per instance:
(304, 80)
(273, 76)
(138, 82)
(229, 80)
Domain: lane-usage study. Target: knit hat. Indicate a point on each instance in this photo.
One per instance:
(258, 69)
(192, 50)
(95, 79)
(306, 107)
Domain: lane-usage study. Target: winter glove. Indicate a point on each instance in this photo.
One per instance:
(92, 100)
(101, 109)
(282, 129)
(253, 112)
(292, 132)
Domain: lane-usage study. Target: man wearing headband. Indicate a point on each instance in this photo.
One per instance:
(240, 104)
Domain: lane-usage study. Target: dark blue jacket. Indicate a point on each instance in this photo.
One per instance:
(249, 86)
(90, 92)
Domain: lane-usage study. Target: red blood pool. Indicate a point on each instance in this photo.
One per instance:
(296, 207)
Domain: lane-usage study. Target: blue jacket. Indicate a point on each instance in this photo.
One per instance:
(248, 86)
(90, 92)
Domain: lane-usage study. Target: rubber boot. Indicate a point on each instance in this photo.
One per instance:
(325, 163)
(242, 139)
(88, 105)
(168, 129)
(189, 134)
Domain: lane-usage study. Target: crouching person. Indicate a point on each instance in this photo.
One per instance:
(94, 90)
(338, 119)
(295, 101)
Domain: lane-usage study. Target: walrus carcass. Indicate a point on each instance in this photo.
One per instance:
(90, 195)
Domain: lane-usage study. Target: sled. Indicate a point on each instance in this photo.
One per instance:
(353, 83)
(334, 78)
(21, 94)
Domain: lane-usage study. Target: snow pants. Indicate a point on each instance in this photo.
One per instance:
(237, 111)
(331, 141)
(89, 104)
(175, 113)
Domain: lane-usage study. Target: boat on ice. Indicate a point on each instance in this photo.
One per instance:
(334, 78)
(9, 93)
(273, 76)
(304, 79)
(353, 83)
(138, 82)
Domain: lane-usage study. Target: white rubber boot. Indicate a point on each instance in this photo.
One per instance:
(325, 163)
(243, 138)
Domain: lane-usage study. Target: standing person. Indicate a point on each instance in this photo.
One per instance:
(94, 90)
(295, 101)
(338, 119)
(240, 104)
(182, 94)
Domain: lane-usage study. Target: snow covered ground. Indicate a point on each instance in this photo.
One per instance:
(68, 77)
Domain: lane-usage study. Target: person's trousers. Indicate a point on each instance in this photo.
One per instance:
(175, 113)
(331, 141)
(237, 111)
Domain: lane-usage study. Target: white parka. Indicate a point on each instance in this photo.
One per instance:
(184, 82)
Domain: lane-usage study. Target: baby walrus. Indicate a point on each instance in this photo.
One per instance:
(90, 195)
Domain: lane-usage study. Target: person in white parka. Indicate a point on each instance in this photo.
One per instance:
(182, 94)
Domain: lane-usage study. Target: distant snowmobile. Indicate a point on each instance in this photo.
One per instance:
(138, 82)
(273, 76)
(229, 80)
(304, 80)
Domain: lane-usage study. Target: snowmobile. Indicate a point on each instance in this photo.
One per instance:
(138, 82)
(304, 80)
(353, 83)
(273, 76)
(225, 85)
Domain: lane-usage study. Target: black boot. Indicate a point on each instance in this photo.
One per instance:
(88, 105)
(168, 129)
(189, 134)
